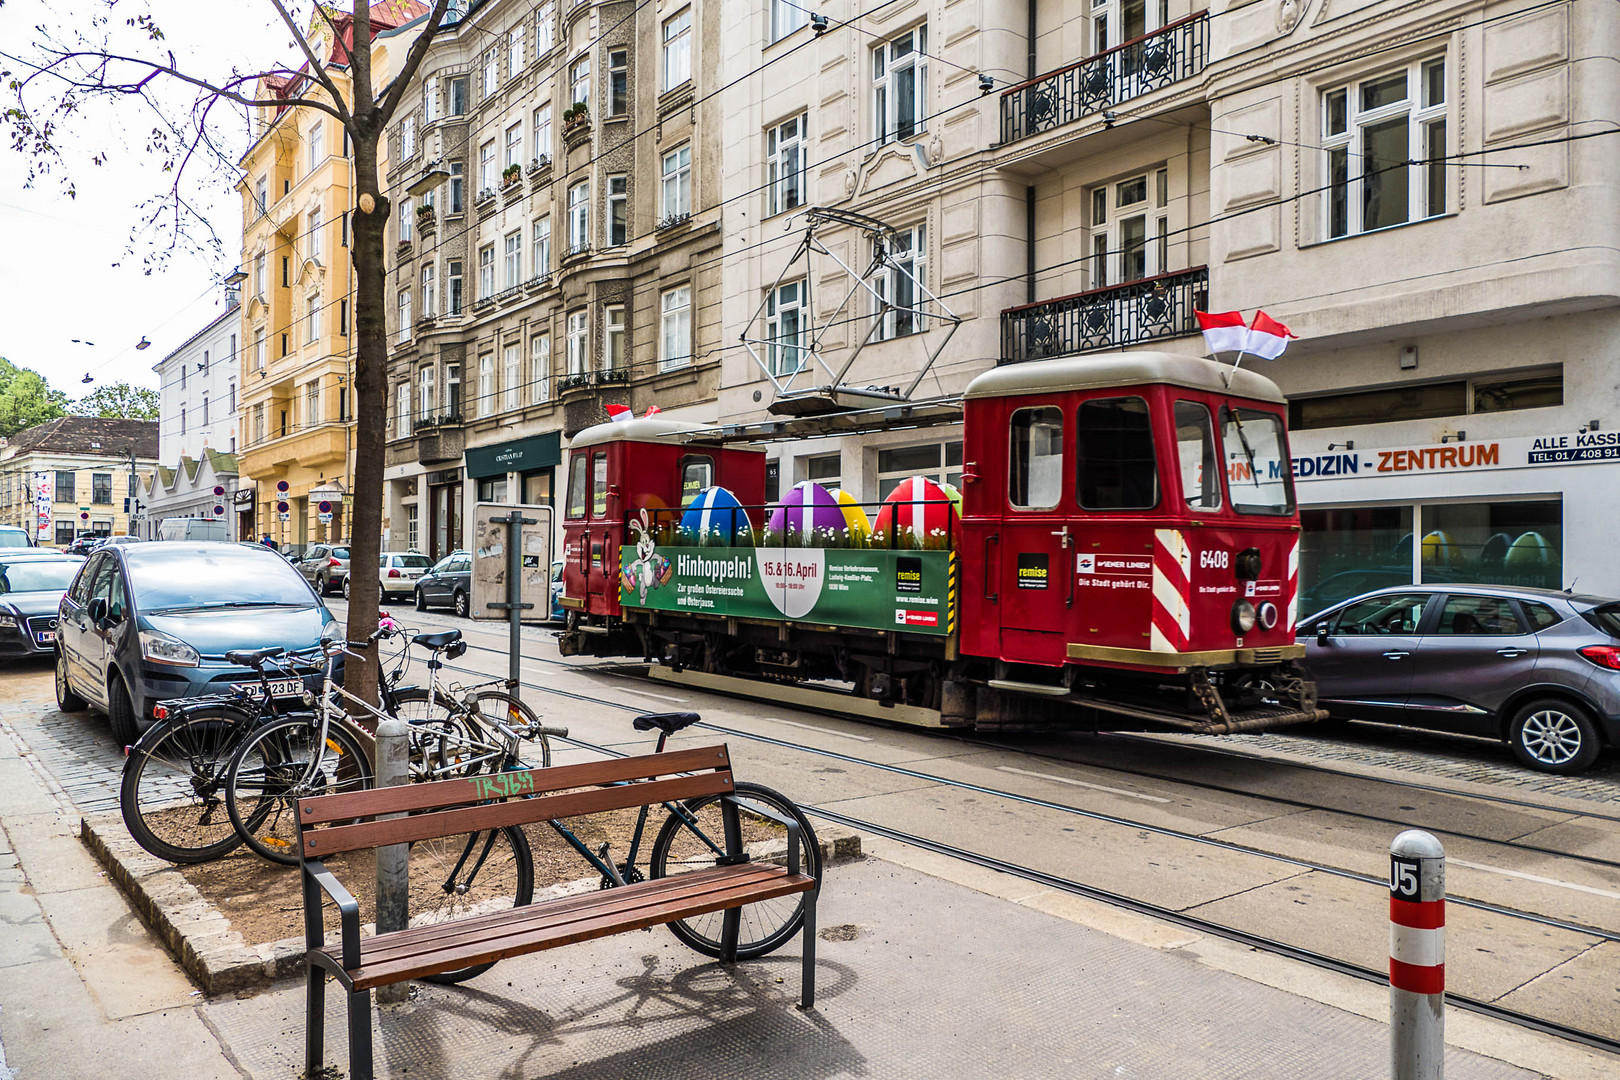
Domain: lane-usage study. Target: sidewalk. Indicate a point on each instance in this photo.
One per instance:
(928, 968)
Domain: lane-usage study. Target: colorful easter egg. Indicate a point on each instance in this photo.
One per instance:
(955, 497)
(855, 520)
(1438, 550)
(917, 514)
(1531, 550)
(714, 517)
(809, 516)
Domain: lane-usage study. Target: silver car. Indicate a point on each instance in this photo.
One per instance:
(1535, 668)
(325, 566)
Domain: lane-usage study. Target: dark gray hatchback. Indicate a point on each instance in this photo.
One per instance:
(1536, 668)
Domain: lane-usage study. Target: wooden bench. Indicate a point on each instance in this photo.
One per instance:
(332, 824)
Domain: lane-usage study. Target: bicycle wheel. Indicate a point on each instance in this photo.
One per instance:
(499, 705)
(453, 877)
(267, 776)
(173, 790)
(446, 740)
(682, 848)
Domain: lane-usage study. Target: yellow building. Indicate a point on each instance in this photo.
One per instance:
(297, 412)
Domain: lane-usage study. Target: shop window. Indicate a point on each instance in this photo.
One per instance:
(1115, 464)
(1505, 543)
(1258, 472)
(1195, 449)
(492, 489)
(1419, 402)
(1534, 392)
(1035, 464)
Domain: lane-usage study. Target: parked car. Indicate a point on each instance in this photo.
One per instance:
(558, 612)
(11, 536)
(84, 544)
(1536, 668)
(144, 623)
(193, 529)
(325, 566)
(32, 582)
(397, 573)
(448, 583)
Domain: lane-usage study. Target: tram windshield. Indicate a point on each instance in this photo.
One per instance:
(1259, 474)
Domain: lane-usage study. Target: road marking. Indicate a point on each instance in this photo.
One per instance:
(649, 693)
(1535, 877)
(1080, 783)
(812, 727)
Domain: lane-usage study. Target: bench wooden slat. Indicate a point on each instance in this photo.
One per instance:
(346, 806)
(427, 936)
(321, 843)
(638, 906)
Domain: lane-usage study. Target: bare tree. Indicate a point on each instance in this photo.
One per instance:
(192, 133)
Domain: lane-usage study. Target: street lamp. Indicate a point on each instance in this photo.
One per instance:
(236, 277)
(432, 176)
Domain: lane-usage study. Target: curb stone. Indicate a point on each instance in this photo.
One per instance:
(201, 939)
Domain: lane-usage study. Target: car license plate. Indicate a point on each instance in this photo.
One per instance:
(45, 637)
(278, 688)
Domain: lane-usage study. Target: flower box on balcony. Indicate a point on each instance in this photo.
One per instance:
(673, 221)
(511, 174)
(579, 381)
(613, 375)
(539, 163)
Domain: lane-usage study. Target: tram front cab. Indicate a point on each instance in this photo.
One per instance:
(1128, 511)
(616, 471)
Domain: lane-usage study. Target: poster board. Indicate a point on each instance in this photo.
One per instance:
(489, 561)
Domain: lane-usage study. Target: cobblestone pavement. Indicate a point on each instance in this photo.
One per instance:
(74, 753)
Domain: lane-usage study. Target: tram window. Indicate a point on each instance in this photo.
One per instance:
(1195, 446)
(1258, 472)
(697, 473)
(576, 486)
(1035, 466)
(599, 491)
(1116, 467)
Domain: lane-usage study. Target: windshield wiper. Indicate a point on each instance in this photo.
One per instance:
(217, 605)
(1248, 451)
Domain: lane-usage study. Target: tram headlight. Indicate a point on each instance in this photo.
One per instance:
(1268, 615)
(1243, 617)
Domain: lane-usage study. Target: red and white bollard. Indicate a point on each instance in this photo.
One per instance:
(1417, 957)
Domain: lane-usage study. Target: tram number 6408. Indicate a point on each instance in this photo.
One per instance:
(1403, 879)
(1214, 560)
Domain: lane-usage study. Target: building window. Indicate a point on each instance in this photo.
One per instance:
(785, 328)
(577, 364)
(784, 150)
(312, 403)
(545, 28)
(542, 247)
(182, 418)
(452, 290)
(233, 399)
(430, 292)
(402, 410)
(182, 375)
(486, 384)
(407, 138)
(64, 533)
(486, 271)
(411, 528)
(486, 167)
(618, 201)
(1384, 139)
(618, 82)
(899, 283)
(404, 315)
(261, 194)
(613, 337)
(312, 305)
(315, 234)
(258, 423)
(1502, 392)
(258, 275)
(579, 81)
(512, 376)
(407, 218)
(678, 49)
(579, 217)
(940, 462)
(514, 52)
(425, 389)
(205, 410)
(492, 68)
(316, 134)
(458, 96)
(1129, 231)
(286, 272)
(900, 86)
(65, 491)
(542, 131)
(675, 340)
(457, 187)
(258, 349)
(430, 101)
(514, 145)
(678, 184)
(539, 369)
(514, 258)
(786, 17)
(452, 389)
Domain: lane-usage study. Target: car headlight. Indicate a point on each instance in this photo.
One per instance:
(160, 648)
(332, 630)
(7, 620)
(1242, 617)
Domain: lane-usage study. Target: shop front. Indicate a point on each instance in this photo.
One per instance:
(523, 470)
(444, 496)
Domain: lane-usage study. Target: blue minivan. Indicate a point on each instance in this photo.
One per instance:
(143, 623)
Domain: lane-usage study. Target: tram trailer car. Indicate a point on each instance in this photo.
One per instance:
(1126, 556)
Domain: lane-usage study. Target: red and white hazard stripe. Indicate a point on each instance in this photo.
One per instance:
(1417, 946)
(1171, 627)
(1292, 587)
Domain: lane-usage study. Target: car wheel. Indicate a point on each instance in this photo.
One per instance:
(421, 600)
(121, 713)
(382, 595)
(1554, 736)
(345, 588)
(321, 585)
(66, 699)
(461, 603)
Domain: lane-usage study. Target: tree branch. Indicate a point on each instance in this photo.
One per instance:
(413, 59)
(317, 68)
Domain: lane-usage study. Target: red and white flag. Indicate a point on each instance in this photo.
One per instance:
(652, 410)
(1224, 331)
(620, 413)
(1267, 337)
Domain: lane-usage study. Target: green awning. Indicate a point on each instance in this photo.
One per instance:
(521, 455)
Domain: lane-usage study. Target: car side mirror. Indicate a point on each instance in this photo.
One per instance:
(1321, 633)
(98, 610)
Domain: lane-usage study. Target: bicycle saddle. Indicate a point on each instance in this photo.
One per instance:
(253, 658)
(667, 722)
(437, 641)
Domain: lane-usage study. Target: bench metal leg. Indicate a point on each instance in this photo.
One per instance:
(807, 975)
(730, 931)
(360, 1066)
(315, 1022)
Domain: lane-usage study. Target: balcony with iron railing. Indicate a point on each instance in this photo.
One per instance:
(1131, 313)
(1093, 85)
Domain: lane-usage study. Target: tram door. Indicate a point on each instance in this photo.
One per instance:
(1036, 578)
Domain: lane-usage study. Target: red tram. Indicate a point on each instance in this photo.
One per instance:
(1126, 553)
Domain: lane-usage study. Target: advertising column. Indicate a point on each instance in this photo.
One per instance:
(44, 499)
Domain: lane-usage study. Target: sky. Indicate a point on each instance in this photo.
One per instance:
(58, 280)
